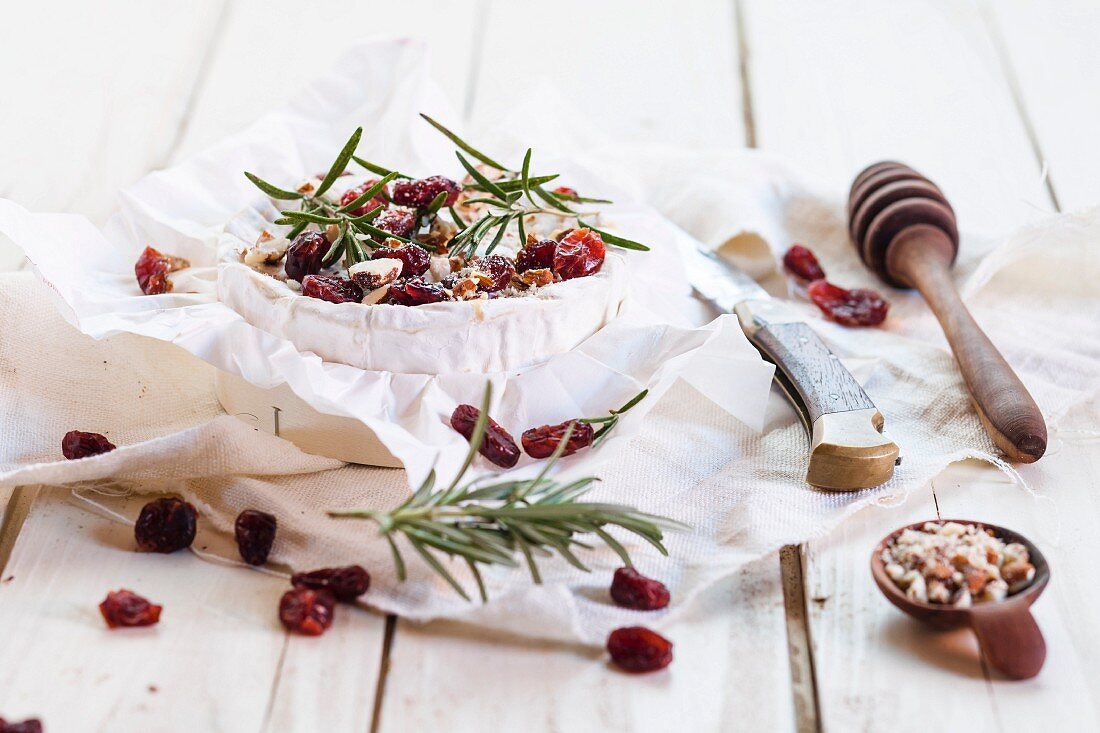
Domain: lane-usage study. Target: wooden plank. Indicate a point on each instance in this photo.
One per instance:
(920, 82)
(724, 676)
(272, 48)
(1049, 52)
(666, 73)
(99, 95)
(836, 87)
(730, 659)
(218, 632)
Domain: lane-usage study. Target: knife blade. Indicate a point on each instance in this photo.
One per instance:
(848, 451)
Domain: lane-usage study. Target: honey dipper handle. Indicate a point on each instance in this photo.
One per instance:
(921, 256)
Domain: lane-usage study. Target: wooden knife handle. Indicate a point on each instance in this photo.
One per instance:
(848, 450)
(921, 257)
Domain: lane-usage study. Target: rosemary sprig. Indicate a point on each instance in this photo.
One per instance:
(489, 524)
(609, 421)
(502, 199)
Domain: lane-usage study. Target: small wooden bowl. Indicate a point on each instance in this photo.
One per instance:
(1009, 637)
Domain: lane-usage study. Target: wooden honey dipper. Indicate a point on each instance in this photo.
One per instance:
(904, 229)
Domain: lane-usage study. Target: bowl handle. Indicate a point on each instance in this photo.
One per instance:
(1010, 638)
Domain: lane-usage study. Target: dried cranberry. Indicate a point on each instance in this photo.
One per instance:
(346, 583)
(77, 444)
(305, 254)
(497, 446)
(126, 608)
(333, 288)
(31, 725)
(398, 222)
(416, 292)
(255, 532)
(537, 256)
(637, 649)
(307, 611)
(353, 193)
(420, 193)
(631, 589)
(566, 191)
(541, 442)
(165, 525)
(415, 260)
(858, 307)
(579, 253)
(497, 268)
(152, 270)
(801, 262)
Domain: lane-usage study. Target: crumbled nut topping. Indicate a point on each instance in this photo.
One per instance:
(537, 278)
(956, 564)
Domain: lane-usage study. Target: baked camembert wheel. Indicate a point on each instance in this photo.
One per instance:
(383, 271)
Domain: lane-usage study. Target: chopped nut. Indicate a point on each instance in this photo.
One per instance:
(373, 274)
(957, 564)
(457, 262)
(537, 278)
(375, 296)
(332, 232)
(465, 289)
(1017, 574)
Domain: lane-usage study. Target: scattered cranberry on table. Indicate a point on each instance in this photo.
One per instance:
(541, 442)
(858, 307)
(331, 288)
(566, 191)
(307, 611)
(124, 608)
(414, 259)
(637, 649)
(421, 192)
(165, 525)
(631, 589)
(255, 533)
(497, 446)
(305, 254)
(345, 583)
(31, 725)
(77, 444)
(801, 262)
(580, 253)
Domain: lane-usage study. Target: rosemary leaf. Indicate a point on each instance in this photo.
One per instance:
(480, 177)
(462, 144)
(614, 239)
(368, 194)
(438, 567)
(525, 177)
(398, 561)
(308, 216)
(279, 194)
(341, 163)
(377, 169)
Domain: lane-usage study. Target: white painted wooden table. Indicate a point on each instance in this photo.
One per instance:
(994, 100)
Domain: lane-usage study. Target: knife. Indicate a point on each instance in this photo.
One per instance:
(847, 448)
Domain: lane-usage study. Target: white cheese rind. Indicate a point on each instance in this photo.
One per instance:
(476, 336)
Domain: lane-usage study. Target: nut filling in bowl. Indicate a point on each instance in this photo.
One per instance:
(956, 564)
(383, 271)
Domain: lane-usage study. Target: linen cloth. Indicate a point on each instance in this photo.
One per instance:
(741, 490)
